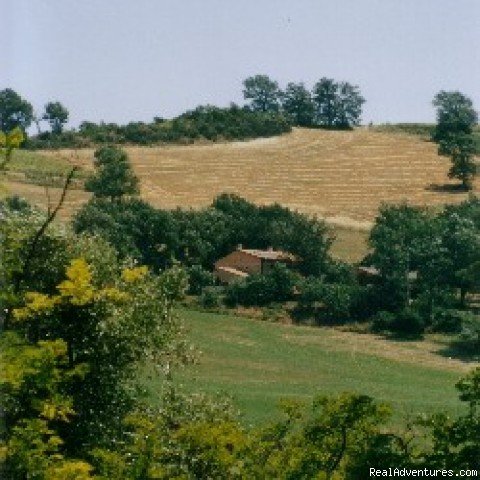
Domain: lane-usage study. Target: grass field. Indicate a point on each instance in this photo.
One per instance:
(259, 363)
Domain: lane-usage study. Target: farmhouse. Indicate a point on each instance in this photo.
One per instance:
(243, 262)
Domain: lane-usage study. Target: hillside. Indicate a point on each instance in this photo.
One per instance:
(260, 362)
(342, 176)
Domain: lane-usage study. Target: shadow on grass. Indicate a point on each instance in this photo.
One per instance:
(447, 188)
(451, 348)
(402, 337)
(459, 350)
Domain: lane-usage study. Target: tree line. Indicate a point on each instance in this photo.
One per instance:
(269, 111)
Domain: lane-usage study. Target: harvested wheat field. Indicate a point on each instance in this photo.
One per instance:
(342, 176)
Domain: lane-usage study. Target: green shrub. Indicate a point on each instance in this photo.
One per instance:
(210, 297)
(198, 278)
(337, 300)
(447, 321)
(405, 322)
(382, 321)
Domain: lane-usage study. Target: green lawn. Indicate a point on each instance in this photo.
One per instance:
(258, 363)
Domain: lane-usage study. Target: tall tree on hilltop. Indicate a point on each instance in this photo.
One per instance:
(325, 100)
(350, 104)
(298, 105)
(337, 105)
(263, 93)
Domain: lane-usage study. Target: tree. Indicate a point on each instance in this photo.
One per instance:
(394, 240)
(56, 115)
(114, 177)
(455, 115)
(325, 100)
(460, 232)
(337, 105)
(136, 229)
(460, 147)
(263, 93)
(14, 111)
(350, 105)
(456, 118)
(297, 104)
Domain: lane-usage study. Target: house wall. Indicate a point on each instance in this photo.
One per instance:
(227, 277)
(241, 261)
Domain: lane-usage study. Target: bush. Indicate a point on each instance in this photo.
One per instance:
(405, 322)
(337, 301)
(198, 279)
(447, 321)
(340, 272)
(366, 302)
(329, 303)
(256, 290)
(382, 321)
(210, 298)
(15, 203)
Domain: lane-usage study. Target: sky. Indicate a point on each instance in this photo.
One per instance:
(131, 60)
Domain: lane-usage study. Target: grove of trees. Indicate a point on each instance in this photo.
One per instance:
(330, 104)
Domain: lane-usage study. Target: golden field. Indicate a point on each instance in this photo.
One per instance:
(342, 176)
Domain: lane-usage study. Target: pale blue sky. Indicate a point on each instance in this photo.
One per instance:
(122, 60)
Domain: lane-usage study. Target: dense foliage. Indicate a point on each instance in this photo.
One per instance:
(427, 263)
(203, 123)
(200, 237)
